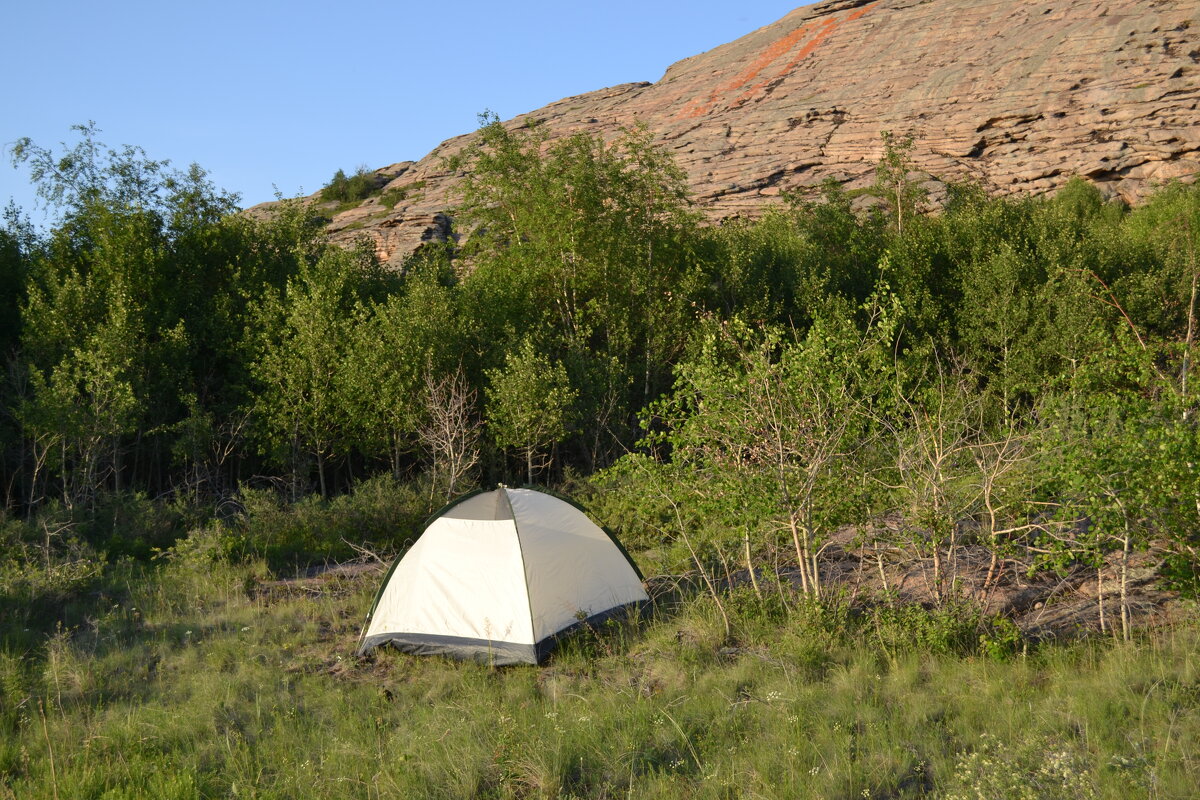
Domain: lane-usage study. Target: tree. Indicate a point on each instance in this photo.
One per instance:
(585, 242)
(529, 405)
(767, 424)
(17, 243)
(302, 402)
(97, 346)
(1165, 295)
(17, 246)
(396, 346)
(146, 280)
(935, 439)
(82, 404)
(449, 430)
(90, 173)
(1121, 458)
(893, 182)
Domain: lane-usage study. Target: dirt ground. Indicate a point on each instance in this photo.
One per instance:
(1043, 604)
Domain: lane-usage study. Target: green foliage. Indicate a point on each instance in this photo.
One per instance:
(203, 548)
(1007, 373)
(394, 345)
(629, 497)
(954, 628)
(134, 313)
(1162, 236)
(768, 427)
(1013, 375)
(393, 196)
(893, 181)
(1122, 449)
(343, 189)
(90, 174)
(586, 244)
(379, 513)
(303, 403)
(32, 588)
(186, 687)
(793, 263)
(529, 404)
(16, 243)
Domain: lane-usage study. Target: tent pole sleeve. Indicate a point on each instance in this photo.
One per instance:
(521, 550)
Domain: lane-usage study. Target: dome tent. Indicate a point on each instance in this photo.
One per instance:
(497, 576)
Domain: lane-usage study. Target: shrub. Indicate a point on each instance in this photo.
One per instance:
(381, 513)
(131, 524)
(351, 189)
(44, 566)
(950, 629)
(393, 196)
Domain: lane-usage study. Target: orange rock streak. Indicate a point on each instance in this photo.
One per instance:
(765, 58)
(769, 55)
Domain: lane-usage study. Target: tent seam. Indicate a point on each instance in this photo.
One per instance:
(524, 571)
(607, 531)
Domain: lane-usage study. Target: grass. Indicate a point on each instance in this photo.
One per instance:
(393, 196)
(181, 681)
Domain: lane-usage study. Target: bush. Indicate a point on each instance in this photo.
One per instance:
(952, 629)
(203, 547)
(355, 188)
(381, 514)
(131, 524)
(393, 196)
(44, 565)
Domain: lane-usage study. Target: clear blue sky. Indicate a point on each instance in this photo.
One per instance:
(267, 94)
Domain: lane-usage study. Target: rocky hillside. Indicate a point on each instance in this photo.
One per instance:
(1017, 95)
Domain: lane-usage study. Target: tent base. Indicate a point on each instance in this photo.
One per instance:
(462, 648)
(493, 653)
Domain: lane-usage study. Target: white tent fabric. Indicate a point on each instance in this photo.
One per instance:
(498, 576)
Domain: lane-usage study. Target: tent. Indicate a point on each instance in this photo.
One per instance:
(497, 576)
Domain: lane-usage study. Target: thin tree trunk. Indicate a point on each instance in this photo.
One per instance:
(991, 573)
(66, 475)
(750, 565)
(800, 555)
(937, 572)
(887, 592)
(38, 462)
(814, 576)
(1187, 340)
(395, 455)
(116, 457)
(778, 583)
(1125, 585)
(725, 566)
(899, 209)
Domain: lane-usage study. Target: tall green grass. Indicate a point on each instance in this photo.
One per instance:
(189, 686)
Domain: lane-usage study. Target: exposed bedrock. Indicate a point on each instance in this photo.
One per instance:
(1015, 95)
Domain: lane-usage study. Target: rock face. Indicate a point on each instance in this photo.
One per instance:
(1015, 95)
